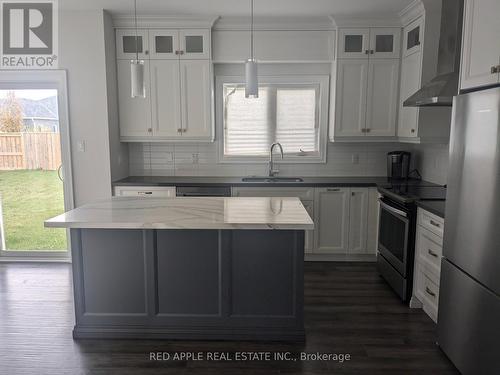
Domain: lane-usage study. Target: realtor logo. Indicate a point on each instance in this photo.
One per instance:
(29, 34)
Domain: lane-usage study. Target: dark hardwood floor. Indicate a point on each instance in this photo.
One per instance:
(348, 309)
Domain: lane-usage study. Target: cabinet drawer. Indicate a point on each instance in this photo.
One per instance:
(305, 194)
(431, 222)
(146, 191)
(428, 294)
(429, 252)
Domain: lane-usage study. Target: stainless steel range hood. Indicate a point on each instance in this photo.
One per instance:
(439, 91)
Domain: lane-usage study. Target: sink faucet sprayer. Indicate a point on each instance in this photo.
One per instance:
(272, 171)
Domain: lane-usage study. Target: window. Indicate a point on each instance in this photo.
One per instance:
(288, 111)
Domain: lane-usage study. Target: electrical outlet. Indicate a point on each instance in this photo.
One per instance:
(355, 158)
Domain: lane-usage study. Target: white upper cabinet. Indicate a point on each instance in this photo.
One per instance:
(196, 121)
(412, 36)
(382, 97)
(351, 97)
(411, 73)
(376, 42)
(166, 104)
(126, 44)
(134, 113)
(367, 87)
(164, 44)
(178, 103)
(481, 44)
(194, 44)
(354, 43)
(385, 43)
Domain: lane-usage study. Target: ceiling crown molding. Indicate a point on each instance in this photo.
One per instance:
(149, 21)
(342, 21)
(275, 23)
(414, 10)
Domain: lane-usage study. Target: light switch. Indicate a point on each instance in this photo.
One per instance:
(81, 146)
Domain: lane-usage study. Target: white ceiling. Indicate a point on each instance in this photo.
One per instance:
(339, 8)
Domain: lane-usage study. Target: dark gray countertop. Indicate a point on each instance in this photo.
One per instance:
(352, 181)
(435, 207)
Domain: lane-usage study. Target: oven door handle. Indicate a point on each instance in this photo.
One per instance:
(392, 209)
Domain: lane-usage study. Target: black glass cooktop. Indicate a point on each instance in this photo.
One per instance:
(410, 192)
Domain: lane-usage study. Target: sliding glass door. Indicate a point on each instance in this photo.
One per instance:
(35, 181)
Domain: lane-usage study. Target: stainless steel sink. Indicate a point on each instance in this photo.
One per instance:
(271, 179)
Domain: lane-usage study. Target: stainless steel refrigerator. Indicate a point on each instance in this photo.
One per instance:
(469, 295)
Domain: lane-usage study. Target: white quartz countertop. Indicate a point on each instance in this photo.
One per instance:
(188, 213)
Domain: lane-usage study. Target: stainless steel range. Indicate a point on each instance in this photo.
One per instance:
(396, 234)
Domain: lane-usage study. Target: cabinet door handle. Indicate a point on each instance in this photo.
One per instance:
(179, 130)
(145, 192)
(368, 130)
(432, 253)
(367, 52)
(437, 225)
(332, 189)
(372, 52)
(495, 69)
(430, 292)
(353, 193)
(150, 130)
(413, 130)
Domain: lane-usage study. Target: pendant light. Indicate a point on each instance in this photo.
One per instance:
(251, 79)
(137, 84)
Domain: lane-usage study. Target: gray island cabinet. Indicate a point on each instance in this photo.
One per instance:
(188, 268)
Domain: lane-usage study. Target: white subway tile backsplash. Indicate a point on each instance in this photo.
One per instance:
(165, 159)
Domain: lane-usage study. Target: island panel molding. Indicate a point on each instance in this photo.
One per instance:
(188, 284)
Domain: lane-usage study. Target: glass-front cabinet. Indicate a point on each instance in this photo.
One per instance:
(384, 43)
(369, 43)
(194, 43)
(127, 44)
(412, 37)
(354, 43)
(163, 44)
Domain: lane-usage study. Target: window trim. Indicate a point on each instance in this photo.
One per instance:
(322, 81)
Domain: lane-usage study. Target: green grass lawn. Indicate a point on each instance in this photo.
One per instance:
(28, 198)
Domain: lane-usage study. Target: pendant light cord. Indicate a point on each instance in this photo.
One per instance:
(136, 32)
(251, 31)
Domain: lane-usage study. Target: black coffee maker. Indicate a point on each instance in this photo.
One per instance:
(398, 165)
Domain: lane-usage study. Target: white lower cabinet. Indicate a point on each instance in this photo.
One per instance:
(331, 208)
(358, 220)
(427, 269)
(345, 219)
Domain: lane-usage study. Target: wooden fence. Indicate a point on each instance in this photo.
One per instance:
(30, 151)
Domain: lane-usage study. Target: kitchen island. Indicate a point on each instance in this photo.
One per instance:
(188, 268)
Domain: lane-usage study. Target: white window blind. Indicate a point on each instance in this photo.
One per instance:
(285, 113)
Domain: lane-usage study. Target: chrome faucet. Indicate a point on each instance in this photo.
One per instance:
(272, 171)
